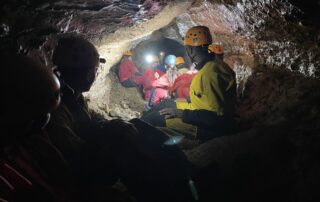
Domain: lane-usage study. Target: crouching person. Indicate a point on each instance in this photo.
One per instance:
(102, 151)
(209, 111)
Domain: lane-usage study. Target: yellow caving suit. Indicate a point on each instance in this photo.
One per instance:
(213, 88)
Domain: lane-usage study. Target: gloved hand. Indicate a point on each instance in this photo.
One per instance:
(170, 113)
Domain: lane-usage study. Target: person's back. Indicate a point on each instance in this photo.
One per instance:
(213, 88)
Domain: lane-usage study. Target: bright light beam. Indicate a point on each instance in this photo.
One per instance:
(149, 58)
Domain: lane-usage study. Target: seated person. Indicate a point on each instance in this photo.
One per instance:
(101, 151)
(158, 88)
(172, 72)
(31, 168)
(155, 83)
(210, 111)
(128, 72)
(181, 86)
(180, 64)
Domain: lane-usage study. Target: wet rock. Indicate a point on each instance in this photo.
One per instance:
(261, 30)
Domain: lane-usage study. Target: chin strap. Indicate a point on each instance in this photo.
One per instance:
(62, 82)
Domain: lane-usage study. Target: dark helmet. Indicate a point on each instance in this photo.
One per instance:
(75, 52)
(77, 60)
(30, 91)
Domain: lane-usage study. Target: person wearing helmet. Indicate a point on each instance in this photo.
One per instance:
(217, 50)
(180, 64)
(170, 61)
(210, 110)
(154, 82)
(31, 168)
(128, 72)
(172, 72)
(72, 129)
(102, 151)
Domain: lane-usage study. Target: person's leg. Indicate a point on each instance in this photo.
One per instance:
(155, 119)
(128, 83)
(167, 103)
(169, 167)
(151, 99)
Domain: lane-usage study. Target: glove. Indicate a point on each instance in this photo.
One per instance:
(170, 113)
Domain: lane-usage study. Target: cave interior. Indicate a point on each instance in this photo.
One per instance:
(273, 46)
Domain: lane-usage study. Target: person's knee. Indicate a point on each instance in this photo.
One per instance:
(155, 119)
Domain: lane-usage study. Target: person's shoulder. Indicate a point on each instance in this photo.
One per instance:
(218, 66)
(61, 114)
(210, 66)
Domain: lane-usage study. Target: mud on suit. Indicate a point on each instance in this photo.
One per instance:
(210, 110)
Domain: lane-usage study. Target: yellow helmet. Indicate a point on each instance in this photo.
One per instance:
(128, 53)
(198, 36)
(179, 60)
(215, 48)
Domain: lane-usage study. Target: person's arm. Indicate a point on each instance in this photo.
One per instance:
(175, 85)
(212, 88)
(161, 82)
(200, 118)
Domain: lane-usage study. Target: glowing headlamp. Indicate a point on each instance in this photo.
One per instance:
(149, 58)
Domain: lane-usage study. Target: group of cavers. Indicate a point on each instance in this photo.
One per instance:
(164, 76)
(53, 149)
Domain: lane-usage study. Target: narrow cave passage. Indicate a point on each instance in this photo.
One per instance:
(132, 99)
